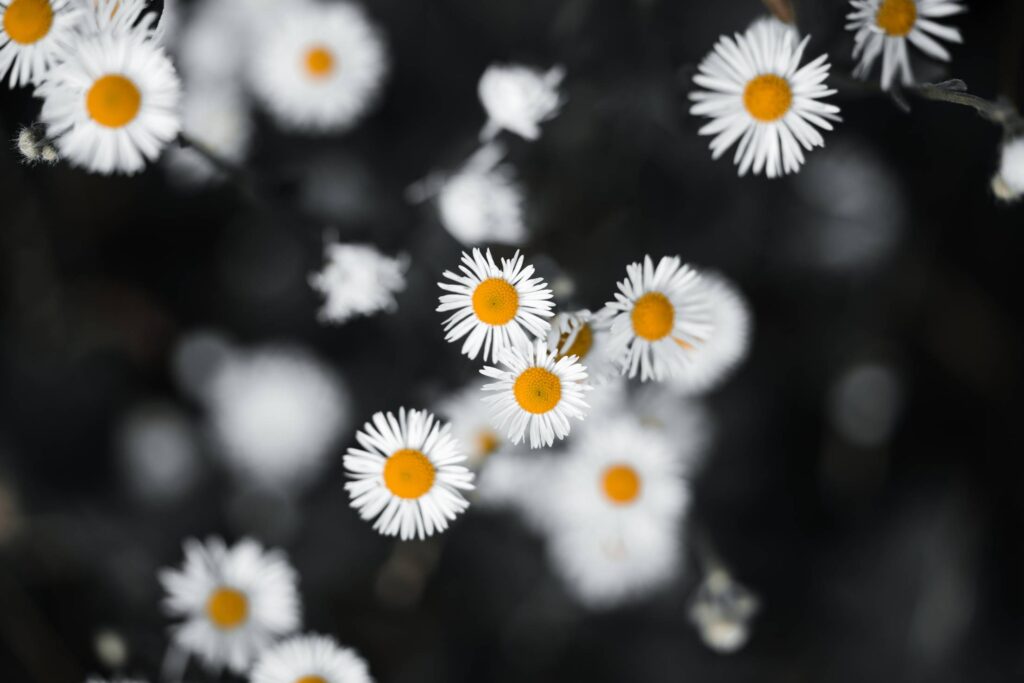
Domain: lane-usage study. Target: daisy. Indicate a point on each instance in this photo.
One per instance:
(658, 316)
(310, 659)
(233, 602)
(494, 305)
(757, 92)
(1008, 183)
(482, 202)
(319, 67)
(471, 425)
(212, 45)
(883, 27)
(537, 392)
(584, 335)
(33, 36)
(113, 104)
(358, 280)
(217, 117)
(119, 16)
(518, 99)
(407, 474)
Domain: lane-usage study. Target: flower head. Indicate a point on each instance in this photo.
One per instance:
(518, 99)
(585, 335)
(1008, 183)
(358, 280)
(33, 37)
(310, 659)
(482, 202)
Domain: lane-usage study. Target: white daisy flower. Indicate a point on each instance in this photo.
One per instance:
(658, 315)
(471, 424)
(233, 602)
(721, 351)
(112, 105)
(212, 45)
(217, 117)
(493, 306)
(319, 67)
(537, 392)
(757, 92)
(883, 27)
(310, 659)
(407, 474)
(585, 335)
(358, 280)
(518, 99)
(119, 16)
(482, 202)
(33, 36)
(1008, 183)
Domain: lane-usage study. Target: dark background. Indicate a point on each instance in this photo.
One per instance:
(898, 560)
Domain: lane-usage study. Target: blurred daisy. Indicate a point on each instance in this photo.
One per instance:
(218, 118)
(112, 105)
(722, 610)
(1008, 183)
(33, 36)
(537, 392)
(494, 305)
(757, 92)
(518, 99)
(584, 335)
(482, 202)
(407, 474)
(233, 602)
(684, 421)
(658, 316)
(471, 425)
(883, 27)
(212, 45)
(319, 67)
(358, 280)
(310, 659)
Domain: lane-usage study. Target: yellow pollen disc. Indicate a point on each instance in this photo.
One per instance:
(227, 607)
(495, 301)
(312, 679)
(580, 346)
(767, 97)
(896, 17)
(487, 442)
(27, 21)
(653, 316)
(113, 101)
(621, 484)
(319, 61)
(408, 473)
(537, 390)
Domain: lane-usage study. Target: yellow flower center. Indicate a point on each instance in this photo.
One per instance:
(319, 61)
(621, 484)
(27, 21)
(653, 316)
(408, 473)
(487, 442)
(537, 390)
(227, 608)
(495, 301)
(896, 17)
(580, 345)
(113, 101)
(312, 679)
(767, 97)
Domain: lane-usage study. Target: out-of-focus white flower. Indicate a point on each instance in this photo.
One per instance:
(536, 393)
(233, 602)
(518, 99)
(471, 424)
(358, 280)
(319, 67)
(721, 610)
(482, 202)
(310, 659)
(585, 335)
(407, 474)
(685, 422)
(493, 306)
(883, 27)
(111, 650)
(658, 315)
(1008, 182)
(158, 453)
(522, 483)
(218, 118)
(33, 37)
(757, 92)
(212, 44)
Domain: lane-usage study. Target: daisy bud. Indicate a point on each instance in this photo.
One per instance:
(1008, 182)
(722, 610)
(28, 144)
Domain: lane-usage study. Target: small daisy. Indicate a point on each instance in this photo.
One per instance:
(217, 117)
(233, 602)
(471, 425)
(33, 37)
(518, 99)
(1008, 183)
(358, 280)
(493, 305)
(318, 67)
(537, 392)
(658, 315)
(113, 104)
(407, 474)
(584, 335)
(310, 659)
(757, 93)
(482, 202)
(883, 27)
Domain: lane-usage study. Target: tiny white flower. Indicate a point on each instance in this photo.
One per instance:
(518, 99)
(482, 202)
(722, 610)
(310, 659)
(33, 36)
(1008, 183)
(585, 335)
(358, 280)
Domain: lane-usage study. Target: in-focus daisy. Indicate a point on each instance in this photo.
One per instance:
(471, 425)
(233, 602)
(518, 99)
(883, 27)
(659, 314)
(310, 659)
(1008, 183)
(585, 335)
(407, 474)
(482, 202)
(112, 105)
(536, 392)
(33, 36)
(318, 67)
(358, 280)
(757, 92)
(494, 307)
